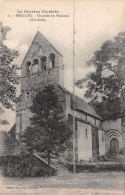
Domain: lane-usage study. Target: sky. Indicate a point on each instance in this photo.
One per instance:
(95, 22)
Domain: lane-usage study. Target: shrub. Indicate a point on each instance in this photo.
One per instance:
(24, 166)
(95, 167)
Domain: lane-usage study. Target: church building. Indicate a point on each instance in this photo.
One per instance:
(43, 65)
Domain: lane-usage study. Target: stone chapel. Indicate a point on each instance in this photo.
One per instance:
(43, 65)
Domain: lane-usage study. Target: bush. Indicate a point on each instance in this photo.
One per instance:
(24, 166)
(97, 167)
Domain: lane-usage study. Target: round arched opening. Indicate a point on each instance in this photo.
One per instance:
(43, 62)
(36, 61)
(35, 66)
(28, 67)
(52, 60)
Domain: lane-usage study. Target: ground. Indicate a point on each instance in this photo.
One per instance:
(103, 183)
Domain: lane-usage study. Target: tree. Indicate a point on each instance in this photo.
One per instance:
(48, 132)
(8, 74)
(105, 86)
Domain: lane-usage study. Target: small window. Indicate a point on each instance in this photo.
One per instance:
(40, 49)
(86, 132)
(52, 60)
(43, 62)
(28, 94)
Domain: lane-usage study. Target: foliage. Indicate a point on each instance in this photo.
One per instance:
(98, 167)
(110, 109)
(8, 74)
(23, 166)
(105, 86)
(48, 132)
(7, 143)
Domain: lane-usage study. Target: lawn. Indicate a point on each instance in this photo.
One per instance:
(102, 183)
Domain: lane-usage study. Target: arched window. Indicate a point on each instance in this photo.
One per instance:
(28, 67)
(36, 61)
(43, 62)
(35, 66)
(51, 60)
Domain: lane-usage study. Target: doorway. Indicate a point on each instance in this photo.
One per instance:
(114, 146)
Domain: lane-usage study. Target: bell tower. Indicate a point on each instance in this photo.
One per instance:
(43, 59)
(42, 65)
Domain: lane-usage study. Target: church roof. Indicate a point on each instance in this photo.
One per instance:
(81, 105)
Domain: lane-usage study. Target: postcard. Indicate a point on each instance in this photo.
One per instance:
(62, 97)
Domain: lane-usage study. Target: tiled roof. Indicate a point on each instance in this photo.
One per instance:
(81, 105)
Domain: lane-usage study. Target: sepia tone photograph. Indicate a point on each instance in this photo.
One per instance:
(62, 97)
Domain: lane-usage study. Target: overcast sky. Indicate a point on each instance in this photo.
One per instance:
(95, 22)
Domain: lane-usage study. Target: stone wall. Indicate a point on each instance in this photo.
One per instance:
(22, 121)
(101, 135)
(98, 123)
(92, 120)
(84, 141)
(85, 121)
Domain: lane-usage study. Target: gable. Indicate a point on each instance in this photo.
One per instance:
(41, 52)
(40, 46)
